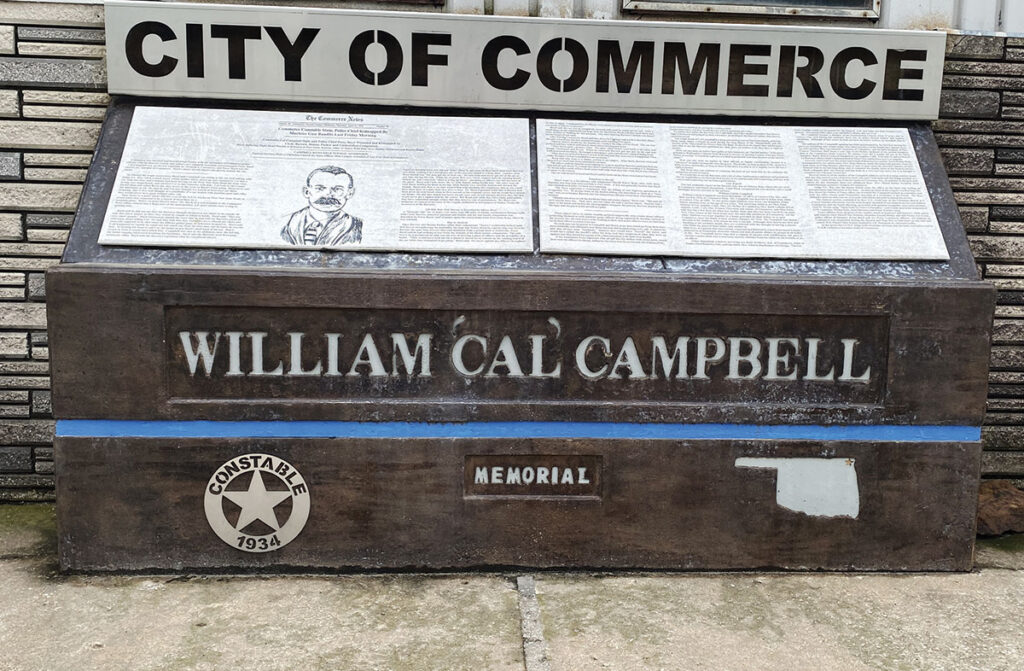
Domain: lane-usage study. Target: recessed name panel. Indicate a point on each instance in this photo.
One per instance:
(280, 353)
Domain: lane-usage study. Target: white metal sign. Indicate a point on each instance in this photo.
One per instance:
(323, 55)
(733, 191)
(241, 178)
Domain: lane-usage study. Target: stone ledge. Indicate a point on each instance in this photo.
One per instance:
(9, 105)
(969, 104)
(28, 480)
(6, 39)
(65, 97)
(41, 34)
(22, 316)
(33, 495)
(51, 14)
(68, 73)
(956, 81)
(44, 197)
(61, 50)
(60, 135)
(946, 140)
(975, 219)
(988, 47)
(27, 264)
(1002, 464)
(27, 432)
(1004, 357)
(15, 459)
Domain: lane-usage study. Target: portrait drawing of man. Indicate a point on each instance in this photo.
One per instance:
(324, 222)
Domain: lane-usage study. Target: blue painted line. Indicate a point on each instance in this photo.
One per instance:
(99, 428)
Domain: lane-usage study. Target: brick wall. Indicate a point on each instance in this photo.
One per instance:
(981, 133)
(52, 101)
(52, 80)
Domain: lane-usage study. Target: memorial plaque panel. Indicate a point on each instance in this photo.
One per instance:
(242, 178)
(143, 503)
(733, 191)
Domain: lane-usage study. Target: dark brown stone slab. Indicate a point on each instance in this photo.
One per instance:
(134, 363)
(138, 504)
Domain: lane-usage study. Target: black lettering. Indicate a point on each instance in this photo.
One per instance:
(609, 58)
(675, 58)
(133, 49)
(580, 64)
(739, 68)
(787, 70)
(421, 56)
(895, 72)
(357, 57)
(805, 74)
(195, 64)
(489, 63)
(837, 76)
(292, 52)
(236, 37)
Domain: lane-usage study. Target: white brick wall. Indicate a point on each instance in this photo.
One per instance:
(52, 97)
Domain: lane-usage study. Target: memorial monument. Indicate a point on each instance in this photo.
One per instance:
(545, 316)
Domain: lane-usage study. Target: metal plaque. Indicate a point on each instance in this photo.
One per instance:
(326, 55)
(733, 191)
(240, 178)
(533, 475)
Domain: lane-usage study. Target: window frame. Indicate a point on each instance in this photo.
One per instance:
(752, 8)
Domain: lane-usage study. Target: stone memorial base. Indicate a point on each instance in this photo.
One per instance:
(367, 504)
(253, 399)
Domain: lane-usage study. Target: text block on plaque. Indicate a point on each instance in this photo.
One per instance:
(733, 191)
(255, 179)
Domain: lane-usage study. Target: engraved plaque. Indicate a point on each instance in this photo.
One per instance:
(533, 475)
(244, 178)
(807, 192)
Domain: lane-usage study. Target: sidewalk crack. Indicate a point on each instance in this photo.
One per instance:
(535, 648)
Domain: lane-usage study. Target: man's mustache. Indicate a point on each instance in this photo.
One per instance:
(327, 200)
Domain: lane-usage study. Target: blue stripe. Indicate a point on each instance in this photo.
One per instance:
(99, 428)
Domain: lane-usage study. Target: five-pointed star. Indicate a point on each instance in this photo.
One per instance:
(257, 503)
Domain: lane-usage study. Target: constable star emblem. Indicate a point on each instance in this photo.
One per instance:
(248, 515)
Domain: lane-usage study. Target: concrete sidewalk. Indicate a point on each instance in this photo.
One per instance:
(540, 621)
